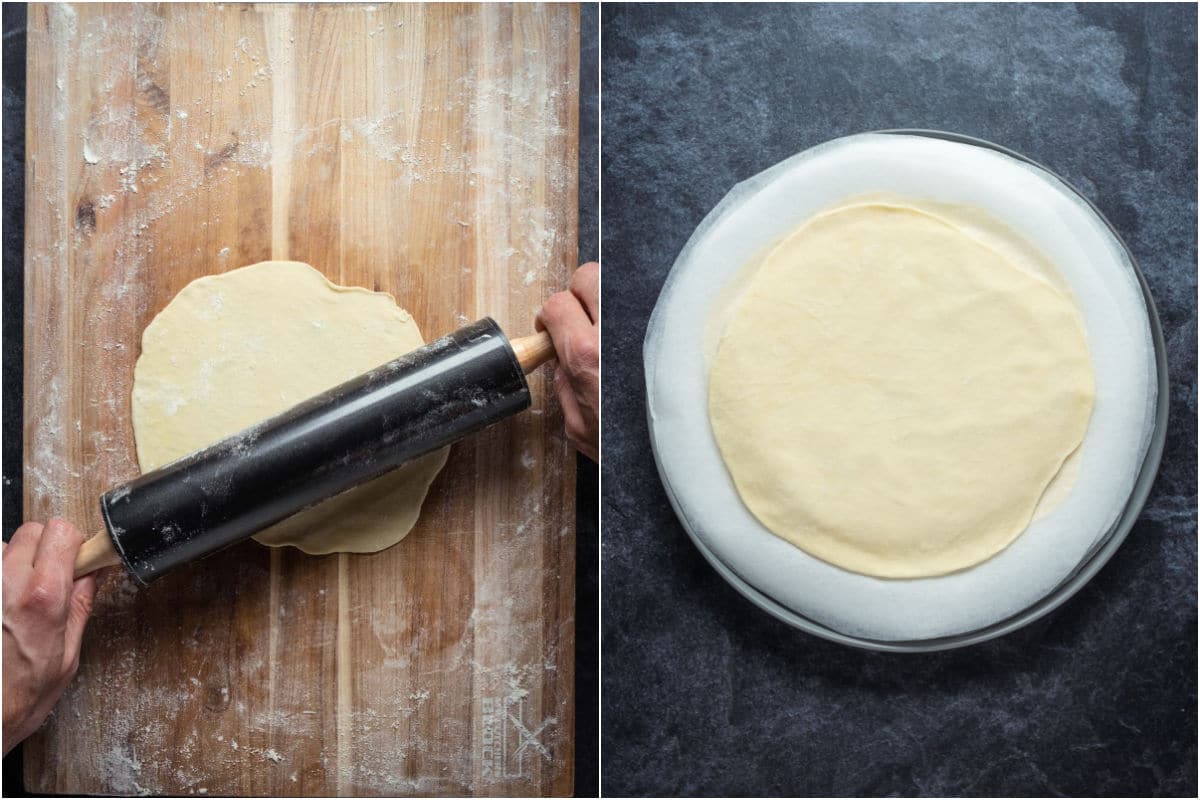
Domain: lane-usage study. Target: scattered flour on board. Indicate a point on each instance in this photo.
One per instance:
(89, 155)
(160, 179)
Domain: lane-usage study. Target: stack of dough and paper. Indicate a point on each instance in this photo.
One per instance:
(901, 387)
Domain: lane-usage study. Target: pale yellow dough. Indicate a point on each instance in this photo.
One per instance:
(233, 349)
(893, 395)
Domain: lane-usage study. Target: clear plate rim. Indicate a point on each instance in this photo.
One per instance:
(1087, 568)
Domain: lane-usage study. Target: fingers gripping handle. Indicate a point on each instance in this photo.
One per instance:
(96, 553)
(533, 351)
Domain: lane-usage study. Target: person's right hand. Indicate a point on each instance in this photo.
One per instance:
(45, 611)
(572, 318)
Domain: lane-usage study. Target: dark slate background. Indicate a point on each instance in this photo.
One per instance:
(704, 694)
(587, 485)
(587, 512)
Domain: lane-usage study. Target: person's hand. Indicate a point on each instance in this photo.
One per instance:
(45, 610)
(572, 319)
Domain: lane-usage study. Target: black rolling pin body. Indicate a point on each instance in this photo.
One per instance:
(352, 433)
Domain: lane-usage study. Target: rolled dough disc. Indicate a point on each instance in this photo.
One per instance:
(893, 396)
(233, 349)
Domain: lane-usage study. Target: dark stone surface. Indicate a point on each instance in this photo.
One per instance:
(587, 486)
(587, 511)
(14, 300)
(703, 693)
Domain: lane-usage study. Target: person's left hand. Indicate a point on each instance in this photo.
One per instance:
(45, 611)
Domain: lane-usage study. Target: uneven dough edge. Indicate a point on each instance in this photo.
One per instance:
(358, 509)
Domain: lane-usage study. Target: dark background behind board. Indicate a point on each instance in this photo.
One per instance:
(702, 692)
(587, 551)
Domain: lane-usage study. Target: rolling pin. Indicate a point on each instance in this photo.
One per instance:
(350, 434)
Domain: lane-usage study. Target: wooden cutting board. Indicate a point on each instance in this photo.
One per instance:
(429, 152)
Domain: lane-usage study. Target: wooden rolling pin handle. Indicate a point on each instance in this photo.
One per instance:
(533, 351)
(96, 553)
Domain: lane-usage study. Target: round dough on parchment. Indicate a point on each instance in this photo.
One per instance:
(233, 349)
(893, 396)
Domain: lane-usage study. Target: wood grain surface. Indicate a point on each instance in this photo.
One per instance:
(426, 151)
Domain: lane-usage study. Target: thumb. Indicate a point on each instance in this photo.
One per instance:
(83, 594)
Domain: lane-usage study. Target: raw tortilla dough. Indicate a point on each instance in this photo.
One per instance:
(893, 396)
(233, 349)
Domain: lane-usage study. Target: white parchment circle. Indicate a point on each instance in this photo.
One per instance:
(1049, 215)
